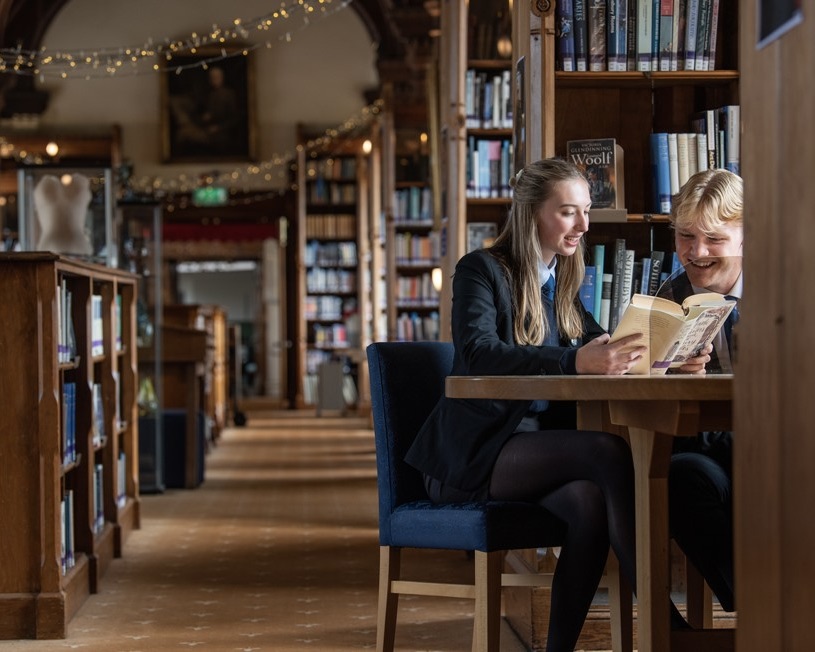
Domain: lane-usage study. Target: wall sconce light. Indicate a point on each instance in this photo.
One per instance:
(52, 149)
(436, 278)
(367, 146)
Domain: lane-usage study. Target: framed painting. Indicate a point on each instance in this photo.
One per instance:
(207, 107)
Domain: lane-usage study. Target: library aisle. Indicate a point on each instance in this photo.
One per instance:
(275, 552)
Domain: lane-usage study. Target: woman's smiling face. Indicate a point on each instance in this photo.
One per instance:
(563, 219)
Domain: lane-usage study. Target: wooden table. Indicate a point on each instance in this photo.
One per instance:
(653, 409)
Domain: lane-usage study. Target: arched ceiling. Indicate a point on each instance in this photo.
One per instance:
(402, 29)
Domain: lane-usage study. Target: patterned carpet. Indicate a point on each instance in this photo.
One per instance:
(276, 551)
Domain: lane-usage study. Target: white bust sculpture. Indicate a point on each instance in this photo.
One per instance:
(61, 210)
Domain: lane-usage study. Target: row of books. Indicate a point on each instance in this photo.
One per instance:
(327, 307)
(331, 254)
(636, 35)
(338, 169)
(322, 192)
(412, 327)
(675, 157)
(331, 225)
(330, 336)
(488, 167)
(414, 249)
(66, 340)
(416, 291)
(320, 279)
(487, 99)
(610, 281)
(414, 204)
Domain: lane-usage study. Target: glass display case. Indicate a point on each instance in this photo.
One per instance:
(69, 211)
(137, 229)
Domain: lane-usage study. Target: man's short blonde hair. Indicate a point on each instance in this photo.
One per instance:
(709, 200)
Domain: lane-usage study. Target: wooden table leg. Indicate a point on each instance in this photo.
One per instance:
(651, 453)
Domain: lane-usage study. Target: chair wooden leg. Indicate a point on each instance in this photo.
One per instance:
(389, 570)
(699, 598)
(487, 625)
(620, 603)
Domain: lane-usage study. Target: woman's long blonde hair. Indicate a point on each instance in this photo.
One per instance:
(518, 250)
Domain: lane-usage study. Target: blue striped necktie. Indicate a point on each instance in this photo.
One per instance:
(548, 299)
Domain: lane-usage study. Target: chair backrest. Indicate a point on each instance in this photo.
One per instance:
(407, 380)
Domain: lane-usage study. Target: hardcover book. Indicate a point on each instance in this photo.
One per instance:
(601, 161)
(672, 332)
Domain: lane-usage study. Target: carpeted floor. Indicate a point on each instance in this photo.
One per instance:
(276, 551)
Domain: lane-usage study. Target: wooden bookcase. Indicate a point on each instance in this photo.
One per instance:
(333, 276)
(38, 592)
(627, 106)
(476, 50)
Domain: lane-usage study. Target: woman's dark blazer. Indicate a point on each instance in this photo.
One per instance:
(461, 439)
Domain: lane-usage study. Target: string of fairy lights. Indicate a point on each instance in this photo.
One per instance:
(240, 180)
(158, 55)
(171, 56)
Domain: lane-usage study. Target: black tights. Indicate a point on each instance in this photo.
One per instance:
(586, 479)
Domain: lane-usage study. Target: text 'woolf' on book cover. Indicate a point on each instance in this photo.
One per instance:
(601, 161)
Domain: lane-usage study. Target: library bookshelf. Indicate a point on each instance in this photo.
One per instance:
(70, 442)
(331, 275)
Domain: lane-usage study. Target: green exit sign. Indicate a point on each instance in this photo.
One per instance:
(209, 196)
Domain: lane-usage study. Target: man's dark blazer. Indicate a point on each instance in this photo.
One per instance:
(461, 439)
(715, 444)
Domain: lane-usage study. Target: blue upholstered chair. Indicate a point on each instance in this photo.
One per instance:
(407, 379)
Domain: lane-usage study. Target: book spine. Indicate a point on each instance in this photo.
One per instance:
(597, 35)
(693, 165)
(612, 44)
(644, 27)
(599, 256)
(673, 162)
(701, 152)
(683, 159)
(731, 119)
(617, 283)
(657, 261)
(628, 282)
(690, 34)
(710, 51)
(655, 18)
(587, 288)
(581, 38)
(564, 31)
(702, 33)
(631, 35)
(666, 33)
(605, 304)
(646, 276)
(661, 172)
(712, 131)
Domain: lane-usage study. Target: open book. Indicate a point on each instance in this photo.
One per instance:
(672, 332)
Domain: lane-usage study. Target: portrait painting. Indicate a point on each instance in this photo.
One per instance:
(208, 108)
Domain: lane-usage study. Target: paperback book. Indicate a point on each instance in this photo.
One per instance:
(672, 333)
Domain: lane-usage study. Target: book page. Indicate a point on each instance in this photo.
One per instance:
(699, 332)
(662, 333)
